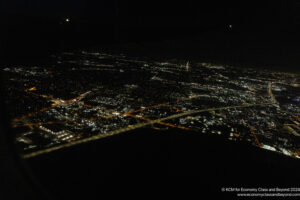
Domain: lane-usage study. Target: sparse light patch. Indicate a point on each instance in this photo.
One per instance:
(32, 89)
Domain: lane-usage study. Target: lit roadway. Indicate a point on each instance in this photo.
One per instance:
(136, 126)
(24, 121)
(59, 102)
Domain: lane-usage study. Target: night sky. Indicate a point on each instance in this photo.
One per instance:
(42, 25)
(205, 12)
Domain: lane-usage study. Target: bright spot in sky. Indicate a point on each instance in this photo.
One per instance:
(230, 26)
(67, 19)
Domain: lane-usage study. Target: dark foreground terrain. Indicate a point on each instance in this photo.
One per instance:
(146, 161)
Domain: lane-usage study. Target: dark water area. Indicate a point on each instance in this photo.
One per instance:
(174, 158)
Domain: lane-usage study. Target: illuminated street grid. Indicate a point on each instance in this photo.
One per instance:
(83, 96)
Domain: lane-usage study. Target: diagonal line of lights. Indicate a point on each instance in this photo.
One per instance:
(132, 127)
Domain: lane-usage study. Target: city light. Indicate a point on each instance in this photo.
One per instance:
(254, 106)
